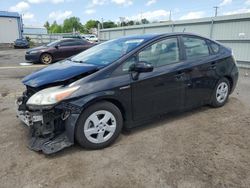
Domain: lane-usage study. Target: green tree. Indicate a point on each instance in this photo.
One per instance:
(91, 24)
(109, 24)
(124, 24)
(144, 21)
(58, 29)
(72, 23)
(55, 28)
(131, 22)
(47, 25)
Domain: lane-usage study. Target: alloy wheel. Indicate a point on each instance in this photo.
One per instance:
(100, 126)
(222, 92)
(46, 58)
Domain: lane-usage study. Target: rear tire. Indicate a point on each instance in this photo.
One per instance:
(46, 58)
(221, 93)
(99, 126)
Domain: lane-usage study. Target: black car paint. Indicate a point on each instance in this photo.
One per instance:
(67, 70)
(174, 87)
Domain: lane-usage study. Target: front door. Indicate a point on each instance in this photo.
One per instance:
(63, 50)
(161, 90)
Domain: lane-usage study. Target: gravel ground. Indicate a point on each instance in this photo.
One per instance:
(202, 148)
(10, 57)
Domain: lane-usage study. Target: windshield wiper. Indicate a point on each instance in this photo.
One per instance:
(70, 59)
(76, 61)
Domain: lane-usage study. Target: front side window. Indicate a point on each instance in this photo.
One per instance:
(65, 43)
(70, 43)
(195, 47)
(161, 53)
(54, 43)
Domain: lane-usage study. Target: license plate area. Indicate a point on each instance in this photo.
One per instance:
(29, 118)
(37, 118)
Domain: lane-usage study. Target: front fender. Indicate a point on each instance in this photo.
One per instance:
(84, 102)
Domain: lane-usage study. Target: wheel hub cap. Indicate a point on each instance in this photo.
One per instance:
(46, 58)
(100, 126)
(222, 92)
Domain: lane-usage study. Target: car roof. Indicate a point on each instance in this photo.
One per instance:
(154, 36)
(71, 39)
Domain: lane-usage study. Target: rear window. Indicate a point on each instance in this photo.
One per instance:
(195, 47)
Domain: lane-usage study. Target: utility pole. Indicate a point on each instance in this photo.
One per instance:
(102, 23)
(170, 15)
(216, 11)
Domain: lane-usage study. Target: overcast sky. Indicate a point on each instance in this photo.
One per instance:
(36, 12)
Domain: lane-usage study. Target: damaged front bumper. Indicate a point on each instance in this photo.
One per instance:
(50, 130)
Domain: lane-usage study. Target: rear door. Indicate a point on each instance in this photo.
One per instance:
(162, 90)
(83, 45)
(201, 70)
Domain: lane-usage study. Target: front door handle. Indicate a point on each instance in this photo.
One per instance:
(179, 75)
(212, 66)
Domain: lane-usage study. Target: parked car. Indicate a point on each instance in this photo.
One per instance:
(21, 43)
(122, 83)
(91, 38)
(57, 50)
(72, 36)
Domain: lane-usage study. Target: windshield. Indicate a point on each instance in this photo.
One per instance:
(20, 40)
(53, 43)
(107, 52)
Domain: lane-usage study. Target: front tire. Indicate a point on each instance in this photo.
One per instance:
(46, 58)
(99, 126)
(221, 93)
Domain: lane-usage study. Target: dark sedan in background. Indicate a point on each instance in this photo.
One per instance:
(57, 50)
(21, 43)
(122, 83)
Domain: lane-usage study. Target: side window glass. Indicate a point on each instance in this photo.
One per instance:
(161, 53)
(215, 47)
(71, 43)
(83, 42)
(128, 63)
(195, 47)
(65, 43)
(77, 43)
(124, 67)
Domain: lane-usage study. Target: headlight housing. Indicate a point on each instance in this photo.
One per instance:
(51, 96)
(34, 52)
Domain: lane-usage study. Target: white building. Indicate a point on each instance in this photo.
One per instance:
(10, 27)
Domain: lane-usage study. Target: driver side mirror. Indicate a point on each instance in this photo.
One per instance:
(57, 46)
(141, 66)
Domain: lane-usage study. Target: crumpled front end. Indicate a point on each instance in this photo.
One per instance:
(52, 129)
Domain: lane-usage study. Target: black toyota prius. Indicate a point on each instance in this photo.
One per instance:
(123, 83)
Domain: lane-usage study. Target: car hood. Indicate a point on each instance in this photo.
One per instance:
(58, 72)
